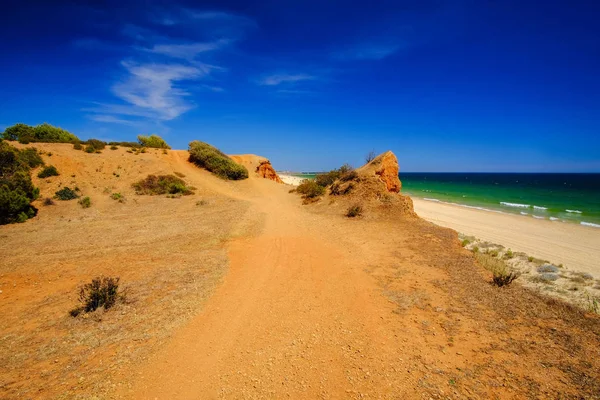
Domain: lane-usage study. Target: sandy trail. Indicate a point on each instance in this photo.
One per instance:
(293, 318)
(575, 246)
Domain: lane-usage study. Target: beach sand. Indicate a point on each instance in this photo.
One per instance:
(575, 246)
(290, 180)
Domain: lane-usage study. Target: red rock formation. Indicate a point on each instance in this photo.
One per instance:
(388, 169)
(265, 170)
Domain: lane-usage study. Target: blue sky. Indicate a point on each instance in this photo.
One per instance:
(503, 86)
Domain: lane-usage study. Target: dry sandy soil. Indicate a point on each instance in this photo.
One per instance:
(251, 294)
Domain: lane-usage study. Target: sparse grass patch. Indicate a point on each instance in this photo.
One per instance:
(162, 184)
(465, 242)
(66, 193)
(48, 171)
(113, 147)
(85, 202)
(101, 292)
(508, 255)
(48, 201)
(201, 203)
(502, 275)
(354, 211)
(214, 160)
(118, 196)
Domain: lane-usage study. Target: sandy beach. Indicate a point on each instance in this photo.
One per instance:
(290, 179)
(575, 246)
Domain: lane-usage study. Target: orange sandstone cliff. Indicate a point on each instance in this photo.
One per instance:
(259, 165)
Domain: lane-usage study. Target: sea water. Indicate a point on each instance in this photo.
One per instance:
(556, 197)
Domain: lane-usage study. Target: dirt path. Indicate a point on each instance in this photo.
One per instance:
(294, 317)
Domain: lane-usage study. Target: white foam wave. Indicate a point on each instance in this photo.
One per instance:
(540, 208)
(504, 203)
(524, 213)
(537, 217)
(590, 224)
(428, 199)
(574, 211)
(554, 219)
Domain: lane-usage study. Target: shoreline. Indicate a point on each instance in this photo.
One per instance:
(575, 246)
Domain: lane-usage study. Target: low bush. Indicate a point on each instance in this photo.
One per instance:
(153, 141)
(117, 196)
(113, 147)
(94, 145)
(354, 211)
(16, 188)
(101, 292)
(162, 184)
(48, 201)
(40, 133)
(77, 146)
(345, 173)
(501, 274)
(48, 171)
(309, 189)
(212, 159)
(125, 144)
(66, 193)
(85, 202)
(30, 157)
(465, 242)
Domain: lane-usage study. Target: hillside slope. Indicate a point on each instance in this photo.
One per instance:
(251, 294)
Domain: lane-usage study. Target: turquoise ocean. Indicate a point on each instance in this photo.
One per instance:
(570, 198)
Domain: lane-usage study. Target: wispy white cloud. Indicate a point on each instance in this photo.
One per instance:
(111, 119)
(370, 51)
(187, 51)
(154, 88)
(278, 79)
(163, 72)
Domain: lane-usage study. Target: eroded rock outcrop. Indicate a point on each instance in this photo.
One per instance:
(388, 171)
(260, 165)
(266, 170)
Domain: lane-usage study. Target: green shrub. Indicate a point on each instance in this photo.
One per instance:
(509, 254)
(16, 188)
(101, 292)
(48, 133)
(41, 133)
(113, 147)
(309, 189)
(94, 145)
(18, 131)
(215, 161)
(85, 202)
(118, 196)
(30, 157)
(465, 242)
(77, 146)
(66, 193)
(125, 144)
(50, 170)
(344, 173)
(354, 211)
(153, 141)
(162, 184)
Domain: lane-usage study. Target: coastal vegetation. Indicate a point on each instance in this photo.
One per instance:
(100, 292)
(153, 141)
(161, 184)
(41, 133)
(48, 171)
(16, 188)
(354, 211)
(66, 193)
(214, 160)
